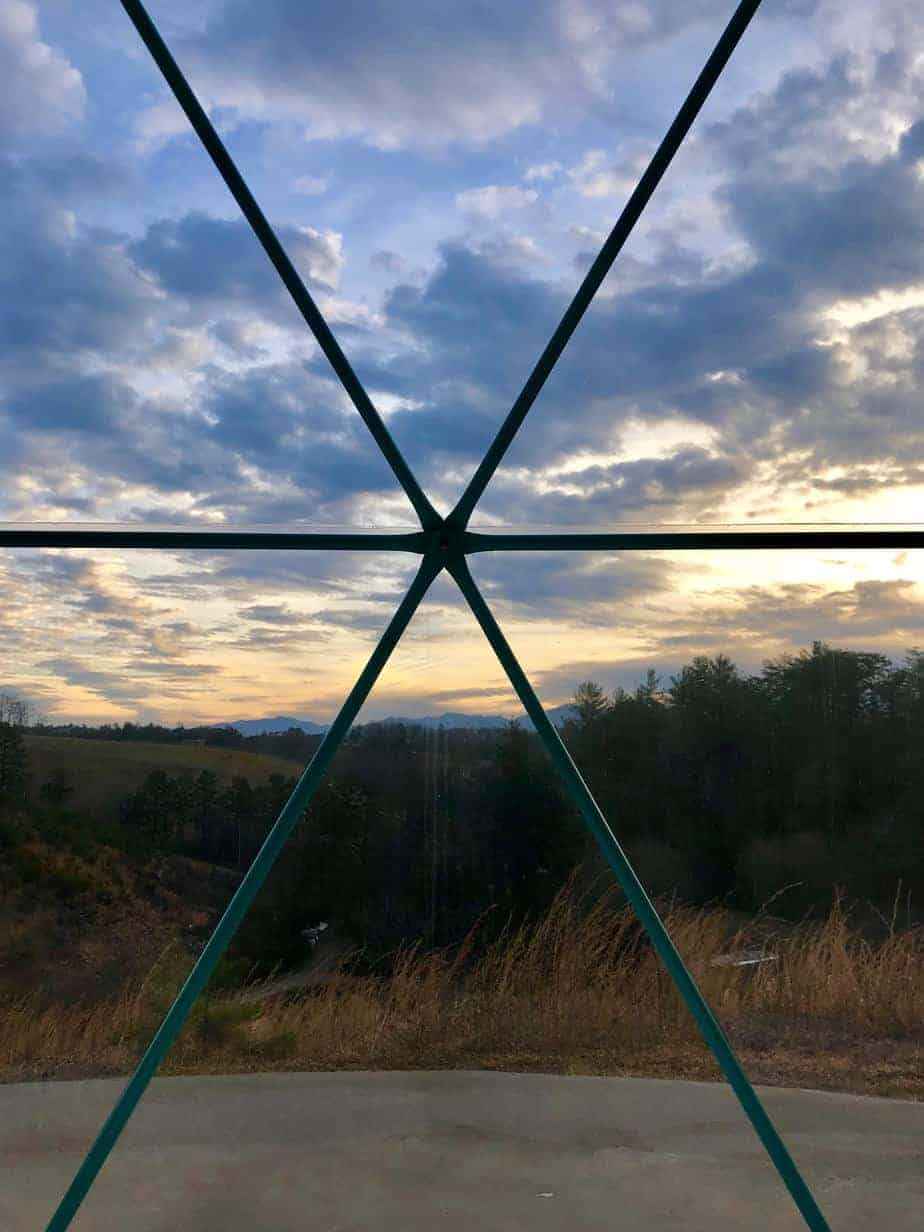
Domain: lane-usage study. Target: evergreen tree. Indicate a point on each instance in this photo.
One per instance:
(13, 766)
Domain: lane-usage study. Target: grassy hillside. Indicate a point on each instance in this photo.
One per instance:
(103, 772)
(80, 928)
(80, 920)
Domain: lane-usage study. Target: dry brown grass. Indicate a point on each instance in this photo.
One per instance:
(559, 995)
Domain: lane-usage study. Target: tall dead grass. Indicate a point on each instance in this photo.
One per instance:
(574, 984)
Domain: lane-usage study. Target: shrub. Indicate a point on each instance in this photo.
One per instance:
(662, 869)
(230, 973)
(220, 1024)
(12, 831)
(68, 882)
(275, 1047)
(28, 866)
(801, 863)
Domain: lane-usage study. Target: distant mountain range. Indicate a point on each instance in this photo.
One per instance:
(449, 720)
(281, 723)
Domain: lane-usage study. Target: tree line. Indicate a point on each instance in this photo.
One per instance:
(718, 784)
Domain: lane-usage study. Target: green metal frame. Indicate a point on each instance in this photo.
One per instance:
(444, 543)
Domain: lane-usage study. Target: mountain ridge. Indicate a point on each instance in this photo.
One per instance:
(450, 719)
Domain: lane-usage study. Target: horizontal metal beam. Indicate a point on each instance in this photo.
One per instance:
(667, 540)
(64, 536)
(652, 539)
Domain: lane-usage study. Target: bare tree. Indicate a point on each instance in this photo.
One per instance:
(14, 716)
(14, 711)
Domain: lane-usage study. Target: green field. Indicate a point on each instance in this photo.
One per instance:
(103, 772)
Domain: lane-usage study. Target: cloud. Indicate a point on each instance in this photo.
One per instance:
(739, 348)
(112, 351)
(395, 75)
(849, 232)
(199, 257)
(493, 200)
(388, 262)
(751, 624)
(744, 346)
(481, 323)
(819, 118)
(65, 289)
(557, 684)
(466, 694)
(542, 172)
(272, 614)
(758, 622)
(580, 589)
(597, 175)
(42, 92)
(125, 684)
(312, 185)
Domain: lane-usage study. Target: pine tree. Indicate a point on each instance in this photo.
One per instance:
(13, 765)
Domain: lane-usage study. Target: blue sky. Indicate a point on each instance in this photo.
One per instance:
(442, 175)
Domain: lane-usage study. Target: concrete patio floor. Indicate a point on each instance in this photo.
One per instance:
(345, 1152)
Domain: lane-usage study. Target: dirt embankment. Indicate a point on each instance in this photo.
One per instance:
(80, 930)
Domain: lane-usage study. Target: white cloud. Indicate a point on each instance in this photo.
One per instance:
(42, 91)
(410, 75)
(312, 185)
(322, 254)
(495, 199)
(542, 171)
(158, 124)
(597, 176)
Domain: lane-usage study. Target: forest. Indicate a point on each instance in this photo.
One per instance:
(721, 787)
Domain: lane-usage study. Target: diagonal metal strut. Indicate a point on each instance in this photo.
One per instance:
(443, 544)
(660, 938)
(598, 271)
(277, 254)
(242, 899)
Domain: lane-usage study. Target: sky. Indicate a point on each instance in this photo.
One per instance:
(442, 175)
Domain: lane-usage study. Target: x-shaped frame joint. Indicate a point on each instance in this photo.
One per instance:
(442, 543)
